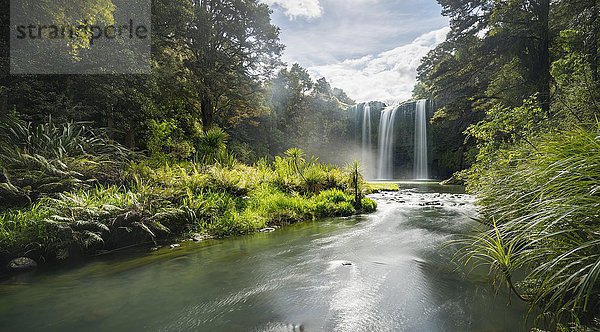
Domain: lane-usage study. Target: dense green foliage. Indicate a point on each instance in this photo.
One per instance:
(520, 80)
(515, 86)
(499, 54)
(81, 193)
(49, 158)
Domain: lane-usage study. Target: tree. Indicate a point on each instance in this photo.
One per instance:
(485, 37)
(289, 97)
(343, 97)
(230, 49)
(523, 29)
(302, 113)
(582, 17)
(355, 180)
(497, 54)
(323, 87)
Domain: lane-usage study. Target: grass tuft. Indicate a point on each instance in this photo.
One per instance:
(541, 206)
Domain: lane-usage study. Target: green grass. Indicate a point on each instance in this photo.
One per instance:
(373, 187)
(22, 231)
(47, 159)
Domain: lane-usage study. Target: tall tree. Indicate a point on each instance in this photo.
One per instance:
(582, 17)
(497, 54)
(289, 96)
(231, 48)
(523, 30)
(486, 36)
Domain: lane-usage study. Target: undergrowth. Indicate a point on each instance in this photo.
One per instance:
(66, 190)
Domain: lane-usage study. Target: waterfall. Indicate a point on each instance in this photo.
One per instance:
(387, 141)
(420, 169)
(399, 136)
(366, 137)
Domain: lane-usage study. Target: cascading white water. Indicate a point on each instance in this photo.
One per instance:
(421, 168)
(387, 141)
(366, 137)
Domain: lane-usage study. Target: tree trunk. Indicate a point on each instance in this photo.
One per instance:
(3, 104)
(207, 110)
(110, 121)
(544, 56)
(594, 41)
(130, 138)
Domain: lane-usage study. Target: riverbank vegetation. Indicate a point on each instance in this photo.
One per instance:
(70, 191)
(521, 80)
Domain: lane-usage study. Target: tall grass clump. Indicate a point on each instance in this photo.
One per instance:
(49, 158)
(541, 208)
(212, 148)
(23, 231)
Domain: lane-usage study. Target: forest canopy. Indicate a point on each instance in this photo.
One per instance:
(214, 64)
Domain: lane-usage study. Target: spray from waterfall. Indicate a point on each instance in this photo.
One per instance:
(421, 168)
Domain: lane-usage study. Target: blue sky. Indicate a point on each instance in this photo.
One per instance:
(369, 48)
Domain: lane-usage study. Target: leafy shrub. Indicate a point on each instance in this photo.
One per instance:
(211, 147)
(88, 219)
(286, 176)
(334, 179)
(314, 178)
(333, 202)
(368, 205)
(166, 141)
(23, 231)
(56, 141)
(279, 207)
(238, 180)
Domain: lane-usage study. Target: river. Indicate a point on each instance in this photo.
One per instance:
(388, 271)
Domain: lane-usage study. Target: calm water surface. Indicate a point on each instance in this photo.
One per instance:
(388, 271)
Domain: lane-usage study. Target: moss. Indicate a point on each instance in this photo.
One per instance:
(373, 187)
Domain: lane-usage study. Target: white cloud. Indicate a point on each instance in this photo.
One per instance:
(390, 75)
(350, 29)
(296, 8)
